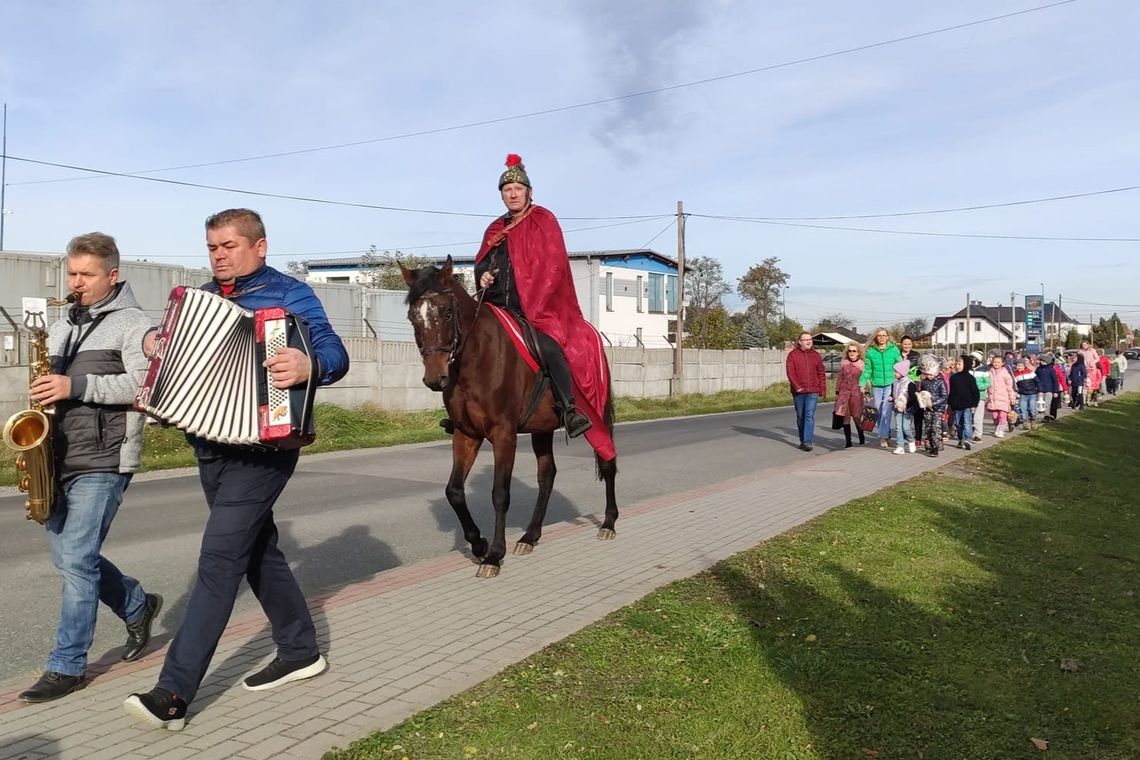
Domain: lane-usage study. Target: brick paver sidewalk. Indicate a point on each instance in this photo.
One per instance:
(412, 636)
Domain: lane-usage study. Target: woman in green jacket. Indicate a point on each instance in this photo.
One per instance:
(879, 362)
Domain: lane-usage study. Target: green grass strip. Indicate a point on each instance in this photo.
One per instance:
(955, 616)
(340, 429)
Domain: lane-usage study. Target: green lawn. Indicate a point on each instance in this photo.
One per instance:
(955, 616)
(341, 429)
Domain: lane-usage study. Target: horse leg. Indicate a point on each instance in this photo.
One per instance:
(607, 471)
(543, 445)
(464, 449)
(504, 447)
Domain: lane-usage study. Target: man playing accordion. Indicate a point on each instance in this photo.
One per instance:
(241, 485)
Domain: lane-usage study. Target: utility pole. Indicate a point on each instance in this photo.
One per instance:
(678, 355)
(3, 175)
(1012, 323)
(969, 345)
(1057, 314)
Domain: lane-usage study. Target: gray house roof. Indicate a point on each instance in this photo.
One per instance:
(317, 265)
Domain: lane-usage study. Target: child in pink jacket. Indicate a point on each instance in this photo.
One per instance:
(1001, 396)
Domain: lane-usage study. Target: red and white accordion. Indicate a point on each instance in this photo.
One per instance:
(206, 375)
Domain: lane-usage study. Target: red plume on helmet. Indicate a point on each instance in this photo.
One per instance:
(515, 171)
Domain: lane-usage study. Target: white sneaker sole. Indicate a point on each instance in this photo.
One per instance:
(138, 711)
(318, 667)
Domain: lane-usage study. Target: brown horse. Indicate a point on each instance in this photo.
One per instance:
(486, 387)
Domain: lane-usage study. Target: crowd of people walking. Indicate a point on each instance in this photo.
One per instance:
(924, 401)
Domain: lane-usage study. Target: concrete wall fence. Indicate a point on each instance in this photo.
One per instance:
(389, 374)
(386, 367)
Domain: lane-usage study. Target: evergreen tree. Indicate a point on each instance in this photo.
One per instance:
(753, 335)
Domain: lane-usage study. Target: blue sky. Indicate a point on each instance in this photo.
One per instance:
(1041, 104)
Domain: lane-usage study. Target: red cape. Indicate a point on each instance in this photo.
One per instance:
(550, 302)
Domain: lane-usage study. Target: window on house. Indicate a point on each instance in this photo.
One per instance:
(640, 294)
(609, 291)
(656, 293)
(344, 280)
(961, 327)
(671, 294)
(977, 327)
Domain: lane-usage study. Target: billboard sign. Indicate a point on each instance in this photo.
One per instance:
(1034, 324)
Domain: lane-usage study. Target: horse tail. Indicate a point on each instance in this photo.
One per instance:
(608, 420)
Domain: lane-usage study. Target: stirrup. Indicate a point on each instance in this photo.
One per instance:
(447, 425)
(576, 423)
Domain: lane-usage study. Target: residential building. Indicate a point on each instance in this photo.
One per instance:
(629, 295)
(998, 326)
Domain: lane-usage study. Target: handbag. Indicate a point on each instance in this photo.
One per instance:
(836, 422)
(1013, 417)
(870, 416)
(1041, 403)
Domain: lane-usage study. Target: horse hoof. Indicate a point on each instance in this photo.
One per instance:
(487, 571)
(522, 548)
(606, 534)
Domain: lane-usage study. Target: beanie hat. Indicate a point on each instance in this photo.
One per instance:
(930, 365)
(902, 368)
(977, 357)
(516, 172)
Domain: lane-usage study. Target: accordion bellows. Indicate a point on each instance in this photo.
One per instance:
(206, 375)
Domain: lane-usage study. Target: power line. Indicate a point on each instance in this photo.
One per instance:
(941, 210)
(308, 255)
(303, 199)
(1095, 303)
(596, 102)
(659, 234)
(917, 232)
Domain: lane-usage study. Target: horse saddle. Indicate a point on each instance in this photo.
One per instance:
(525, 338)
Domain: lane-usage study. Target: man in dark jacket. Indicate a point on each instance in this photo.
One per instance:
(1047, 382)
(97, 364)
(808, 380)
(241, 485)
(964, 399)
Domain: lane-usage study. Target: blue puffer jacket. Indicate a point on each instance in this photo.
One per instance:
(1047, 379)
(267, 287)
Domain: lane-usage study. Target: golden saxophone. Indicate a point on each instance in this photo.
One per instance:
(29, 433)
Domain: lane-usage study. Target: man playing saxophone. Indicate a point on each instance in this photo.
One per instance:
(97, 364)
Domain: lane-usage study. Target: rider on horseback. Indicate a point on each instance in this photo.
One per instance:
(543, 297)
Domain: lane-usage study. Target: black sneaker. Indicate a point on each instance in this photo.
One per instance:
(52, 685)
(967, 445)
(577, 423)
(157, 708)
(138, 634)
(280, 672)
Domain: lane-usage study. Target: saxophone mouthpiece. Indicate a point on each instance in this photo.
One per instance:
(67, 301)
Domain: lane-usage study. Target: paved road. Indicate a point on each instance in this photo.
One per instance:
(347, 516)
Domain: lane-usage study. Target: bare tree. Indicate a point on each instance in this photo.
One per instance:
(833, 320)
(705, 285)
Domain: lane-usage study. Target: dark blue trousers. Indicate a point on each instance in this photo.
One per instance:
(240, 540)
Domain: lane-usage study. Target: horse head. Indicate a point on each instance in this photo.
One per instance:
(433, 309)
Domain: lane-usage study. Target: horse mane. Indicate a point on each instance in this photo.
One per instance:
(427, 281)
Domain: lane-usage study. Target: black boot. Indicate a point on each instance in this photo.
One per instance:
(562, 385)
(862, 438)
(847, 435)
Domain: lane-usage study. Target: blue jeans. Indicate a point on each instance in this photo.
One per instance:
(904, 427)
(85, 507)
(805, 415)
(882, 396)
(1027, 407)
(964, 422)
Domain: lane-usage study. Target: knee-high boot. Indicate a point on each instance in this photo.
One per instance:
(562, 384)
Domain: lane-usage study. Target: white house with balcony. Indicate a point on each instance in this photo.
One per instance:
(629, 295)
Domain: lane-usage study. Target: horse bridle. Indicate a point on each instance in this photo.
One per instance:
(458, 338)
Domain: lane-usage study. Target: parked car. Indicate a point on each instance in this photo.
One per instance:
(1132, 353)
